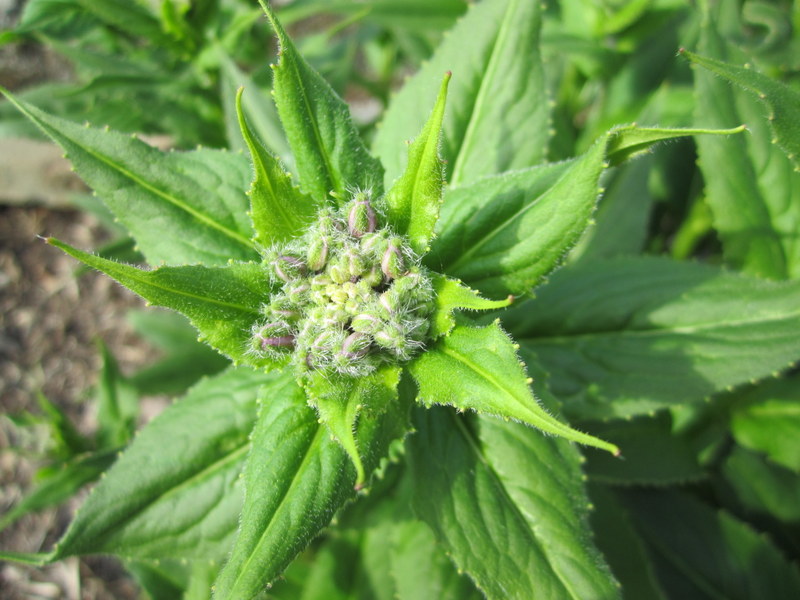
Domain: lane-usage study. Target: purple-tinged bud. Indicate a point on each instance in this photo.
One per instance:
(366, 323)
(361, 219)
(392, 261)
(281, 341)
(355, 346)
(289, 268)
(317, 255)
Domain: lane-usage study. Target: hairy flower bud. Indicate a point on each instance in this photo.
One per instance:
(392, 261)
(317, 254)
(289, 268)
(361, 217)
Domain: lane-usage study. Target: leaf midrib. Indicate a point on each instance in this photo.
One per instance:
(313, 444)
(483, 90)
(520, 517)
(641, 332)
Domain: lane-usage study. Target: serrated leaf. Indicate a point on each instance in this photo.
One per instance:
(752, 190)
(279, 210)
(504, 234)
(340, 401)
(628, 141)
(478, 369)
(174, 492)
(296, 478)
(197, 197)
(508, 506)
(221, 302)
(451, 295)
(328, 151)
(782, 101)
(412, 203)
(420, 568)
(616, 335)
(499, 112)
(769, 421)
(700, 552)
(761, 488)
(622, 547)
(653, 454)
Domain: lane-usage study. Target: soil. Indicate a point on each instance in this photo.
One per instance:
(50, 322)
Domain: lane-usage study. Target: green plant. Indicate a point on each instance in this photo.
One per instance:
(346, 289)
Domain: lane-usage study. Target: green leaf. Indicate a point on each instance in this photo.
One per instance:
(616, 335)
(628, 141)
(257, 106)
(174, 491)
(61, 485)
(508, 506)
(751, 187)
(330, 155)
(653, 454)
(700, 552)
(420, 568)
(340, 401)
(782, 101)
(498, 117)
(622, 547)
(196, 198)
(451, 295)
(279, 210)
(769, 421)
(412, 203)
(504, 234)
(762, 488)
(184, 359)
(117, 404)
(222, 302)
(478, 369)
(296, 478)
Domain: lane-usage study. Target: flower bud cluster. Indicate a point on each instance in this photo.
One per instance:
(353, 295)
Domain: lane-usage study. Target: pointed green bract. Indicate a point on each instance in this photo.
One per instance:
(196, 197)
(451, 295)
(330, 156)
(340, 400)
(278, 209)
(499, 110)
(478, 369)
(507, 504)
(412, 203)
(628, 141)
(186, 503)
(783, 101)
(221, 302)
(293, 488)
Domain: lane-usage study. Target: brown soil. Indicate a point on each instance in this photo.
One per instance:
(50, 321)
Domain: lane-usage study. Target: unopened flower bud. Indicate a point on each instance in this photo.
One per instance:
(355, 346)
(392, 261)
(317, 254)
(361, 217)
(289, 268)
(339, 273)
(366, 323)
